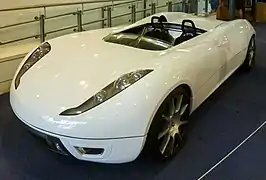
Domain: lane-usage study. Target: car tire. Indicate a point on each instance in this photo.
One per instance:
(249, 61)
(169, 125)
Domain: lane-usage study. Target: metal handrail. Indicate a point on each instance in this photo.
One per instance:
(59, 15)
(59, 4)
(79, 13)
(17, 24)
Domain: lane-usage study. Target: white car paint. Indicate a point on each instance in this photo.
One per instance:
(81, 64)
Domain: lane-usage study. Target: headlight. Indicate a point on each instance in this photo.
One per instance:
(40, 52)
(106, 93)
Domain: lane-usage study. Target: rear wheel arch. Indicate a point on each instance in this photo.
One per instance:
(249, 60)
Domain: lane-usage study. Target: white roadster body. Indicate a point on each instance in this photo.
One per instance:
(94, 94)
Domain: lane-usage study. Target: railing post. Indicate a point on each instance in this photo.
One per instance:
(184, 5)
(192, 6)
(189, 10)
(153, 8)
(195, 6)
(170, 6)
(42, 29)
(231, 9)
(109, 17)
(144, 8)
(133, 13)
(79, 21)
(102, 12)
(206, 6)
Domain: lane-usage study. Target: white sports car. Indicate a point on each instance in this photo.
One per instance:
(108, 95)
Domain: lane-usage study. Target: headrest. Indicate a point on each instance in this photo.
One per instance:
(163, 18)
(160, 19)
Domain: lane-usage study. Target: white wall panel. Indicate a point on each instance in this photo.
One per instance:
(4, 86)
(8, 68)
(90, 16)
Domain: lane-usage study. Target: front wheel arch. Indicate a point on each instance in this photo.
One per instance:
(189, 91)
(185, 86)
(180, 88)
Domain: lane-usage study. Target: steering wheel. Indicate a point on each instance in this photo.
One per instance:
(185, 31)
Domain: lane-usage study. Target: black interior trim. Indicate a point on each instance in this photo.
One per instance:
(158, 29)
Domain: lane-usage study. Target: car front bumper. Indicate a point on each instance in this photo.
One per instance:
(120, 150)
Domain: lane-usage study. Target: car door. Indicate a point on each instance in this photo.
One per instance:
(223, 46)
(209, 63)
(237, 39)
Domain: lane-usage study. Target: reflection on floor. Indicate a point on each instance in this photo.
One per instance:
(228, 117)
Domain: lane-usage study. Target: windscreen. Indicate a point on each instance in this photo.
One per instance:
(155, 36)
(137, 41)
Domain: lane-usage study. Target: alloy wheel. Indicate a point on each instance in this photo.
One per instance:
(251, 52)
(172, 132)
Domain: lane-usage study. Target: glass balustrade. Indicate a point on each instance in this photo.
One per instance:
(40, 23)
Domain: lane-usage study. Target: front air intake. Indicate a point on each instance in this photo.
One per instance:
(89, 151)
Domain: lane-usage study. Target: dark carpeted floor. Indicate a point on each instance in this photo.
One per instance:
(226, 119)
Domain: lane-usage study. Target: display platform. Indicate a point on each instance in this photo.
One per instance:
(225, 120)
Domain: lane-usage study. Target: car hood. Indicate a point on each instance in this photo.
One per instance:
(77, 67)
